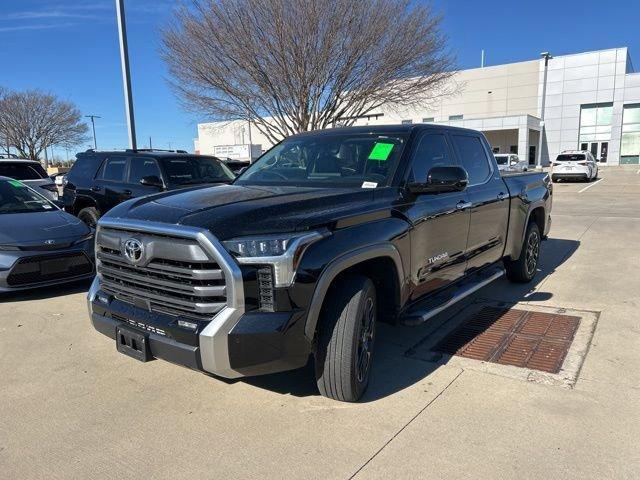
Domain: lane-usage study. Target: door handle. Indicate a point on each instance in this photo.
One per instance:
(127, 192)
(95, 188)
(462, 205)
(502, 196)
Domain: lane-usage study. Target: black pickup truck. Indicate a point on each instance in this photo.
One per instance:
(327, 233)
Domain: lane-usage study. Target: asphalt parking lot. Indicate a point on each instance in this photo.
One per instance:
(72, 407)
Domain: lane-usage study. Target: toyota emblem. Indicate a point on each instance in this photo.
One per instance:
(133, 250)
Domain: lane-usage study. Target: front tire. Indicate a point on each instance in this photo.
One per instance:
(347, 333)
(90, 216)
(524, 268)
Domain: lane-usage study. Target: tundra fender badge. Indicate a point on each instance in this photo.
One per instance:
(437, 258)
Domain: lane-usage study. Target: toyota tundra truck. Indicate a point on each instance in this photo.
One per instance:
(326, 234)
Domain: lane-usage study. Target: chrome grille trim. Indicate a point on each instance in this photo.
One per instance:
(213, 339)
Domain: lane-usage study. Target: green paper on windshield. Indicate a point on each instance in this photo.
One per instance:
(381, 151)
(16, 183)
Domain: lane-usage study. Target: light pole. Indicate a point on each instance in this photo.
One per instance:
(126, 76)
(93, 127)
(546, 57)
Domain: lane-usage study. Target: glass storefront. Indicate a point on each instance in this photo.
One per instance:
(595, 129)
(630, 143)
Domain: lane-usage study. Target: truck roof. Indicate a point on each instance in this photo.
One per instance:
(402, 128)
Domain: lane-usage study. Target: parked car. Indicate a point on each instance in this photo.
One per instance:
(31, 173)
(100, 180)
(40, 244)
(326, 233)
(510, 162)
(574, 165)
(59, 179)
(236, 166)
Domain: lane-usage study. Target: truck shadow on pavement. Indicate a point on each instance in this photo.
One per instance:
(393, 370)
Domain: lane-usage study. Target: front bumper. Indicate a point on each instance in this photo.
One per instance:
(256, 343)
(10, 260)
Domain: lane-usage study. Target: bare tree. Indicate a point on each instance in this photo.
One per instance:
(32, 121)
(297, 65)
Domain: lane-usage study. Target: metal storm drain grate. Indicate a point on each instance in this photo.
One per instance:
(534, 340)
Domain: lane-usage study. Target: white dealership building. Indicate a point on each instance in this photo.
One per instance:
(591, 102)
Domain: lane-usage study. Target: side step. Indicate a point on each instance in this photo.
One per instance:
(432, 306)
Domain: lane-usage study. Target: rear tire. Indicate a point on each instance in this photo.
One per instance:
(90, 216)
(524, 268)
(347, 333)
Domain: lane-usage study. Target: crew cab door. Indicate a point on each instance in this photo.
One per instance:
(440, 222)
(489, 198)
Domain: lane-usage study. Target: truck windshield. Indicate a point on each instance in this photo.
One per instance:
(195, 170)
(18, 198)
(502, 159)
(574, 157)
(337, 160)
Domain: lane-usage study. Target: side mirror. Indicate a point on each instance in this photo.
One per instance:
(441, 180)
(151, 181)
(58, 203)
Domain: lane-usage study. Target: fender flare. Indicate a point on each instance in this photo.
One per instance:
(532, 207)
(339, 265)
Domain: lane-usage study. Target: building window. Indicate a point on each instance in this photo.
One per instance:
(406, 122)
(595, 129)
(428, 120)
(630, 142)
(456, 117)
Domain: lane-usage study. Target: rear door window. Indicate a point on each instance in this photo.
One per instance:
(113, 169)
(22, 171)
(473, 157)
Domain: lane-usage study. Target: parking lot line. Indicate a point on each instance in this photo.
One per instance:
(589, 186)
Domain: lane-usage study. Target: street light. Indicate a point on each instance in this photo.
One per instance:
(126, 75)
(546, 56)
(93, 126)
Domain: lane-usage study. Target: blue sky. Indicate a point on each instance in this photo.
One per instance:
(70, 48)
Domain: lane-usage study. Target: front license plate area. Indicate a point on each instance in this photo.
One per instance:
(133, 343)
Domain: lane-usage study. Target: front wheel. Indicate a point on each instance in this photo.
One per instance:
(347, 333)
(523, 269)
(90, 216)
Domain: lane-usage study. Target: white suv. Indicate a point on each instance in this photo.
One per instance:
(574, 164)
(510, 162)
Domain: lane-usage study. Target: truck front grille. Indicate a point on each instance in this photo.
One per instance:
(178, 279)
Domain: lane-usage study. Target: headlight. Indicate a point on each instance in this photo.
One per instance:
(282, 251)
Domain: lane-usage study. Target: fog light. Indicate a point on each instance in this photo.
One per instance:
(189, 325)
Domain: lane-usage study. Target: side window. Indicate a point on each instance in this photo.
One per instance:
(140, 167)
(113, 169)
(432, 151)
(473, 158)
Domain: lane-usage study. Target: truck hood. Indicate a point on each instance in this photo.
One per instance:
(37, 227)
(232, 210)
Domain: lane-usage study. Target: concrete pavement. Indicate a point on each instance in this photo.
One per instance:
(72, 407)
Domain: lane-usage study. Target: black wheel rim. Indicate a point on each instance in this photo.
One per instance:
(533, 252)
(365, 342)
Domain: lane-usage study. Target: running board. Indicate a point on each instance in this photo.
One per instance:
(430, 307)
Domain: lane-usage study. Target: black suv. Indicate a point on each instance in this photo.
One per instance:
(100, 180)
